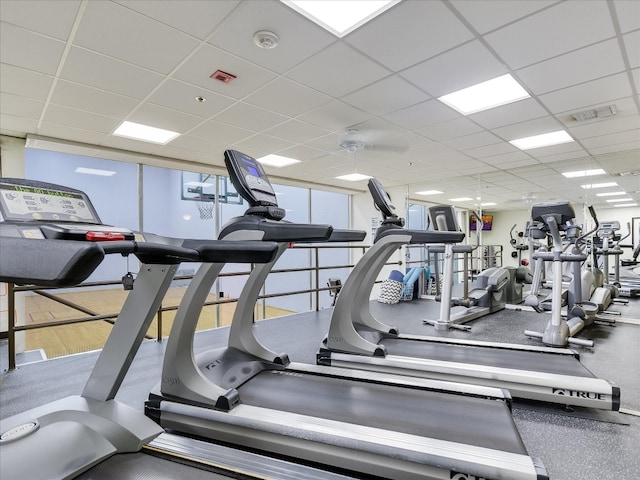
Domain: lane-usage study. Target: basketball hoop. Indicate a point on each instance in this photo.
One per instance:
(205, 209)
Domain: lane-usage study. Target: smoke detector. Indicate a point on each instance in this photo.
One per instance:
(601, 112)
(266, 39)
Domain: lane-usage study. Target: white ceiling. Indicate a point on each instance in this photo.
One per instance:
(74, 70)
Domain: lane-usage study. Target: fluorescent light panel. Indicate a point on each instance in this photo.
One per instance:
(483, 96)
(95, 171)
(354, 177)
(137, 131)
(626, 205)
(544, 140)
(488, 204)
(343, 17)
(584, 173)
(589, 186)
(610, 194)
(613, 200)
(461, 199)
(429, 192)
(277, 161)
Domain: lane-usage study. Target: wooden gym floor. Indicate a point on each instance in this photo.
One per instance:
(88, 336)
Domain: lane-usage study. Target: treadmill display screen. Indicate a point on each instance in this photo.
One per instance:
(249, 178)
(23, 202)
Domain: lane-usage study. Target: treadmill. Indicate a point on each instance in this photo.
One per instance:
(356, 339)
(372, 424)
(51, 236)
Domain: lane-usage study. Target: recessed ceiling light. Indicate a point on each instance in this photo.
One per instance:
(614, 200)
(428, 192)
(584, 173)
(488, 204)
(343, 17)
(137, 131)
(353, 177)
(461, 199)
(483, 96)
(599, 185)
(544, 140)
(95, 171)
(610, 194)
(626, 205)
(277, 161)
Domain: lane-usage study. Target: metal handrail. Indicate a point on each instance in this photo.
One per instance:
(12, 289)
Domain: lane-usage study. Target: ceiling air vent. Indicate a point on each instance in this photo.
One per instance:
(601, 112)
(223, 77)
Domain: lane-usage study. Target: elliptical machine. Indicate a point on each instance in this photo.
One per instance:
(554, 218)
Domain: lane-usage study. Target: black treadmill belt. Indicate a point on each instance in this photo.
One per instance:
(491, 357)
(455, 418)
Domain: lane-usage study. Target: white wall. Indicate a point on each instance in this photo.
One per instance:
(503, 221)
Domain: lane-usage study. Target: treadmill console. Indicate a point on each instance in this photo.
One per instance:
(33, 209)
(252, 183)
(562, 212)
(382, 201)
(443, 218)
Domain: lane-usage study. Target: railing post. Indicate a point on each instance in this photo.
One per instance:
(317, 265)
(159, 333)
(11, 323)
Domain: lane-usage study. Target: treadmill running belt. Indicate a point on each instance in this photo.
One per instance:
(454, 418)
(491, 357)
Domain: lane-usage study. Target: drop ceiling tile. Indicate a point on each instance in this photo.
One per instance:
(249, 117)
(335, 116)
(589, 63)
(37, 15)
(632, 44)
(23, 48)
(338, 70)
(128, 145)
(263, 143)
(296, 131)
(114, 30)
(93, 100)
(628, 12)
(456, 69)
(199, 144)
(428, 24)
(217, 131)
(299, 38)
(329, 143)
(606, 126)
(506, 158)
(182, 96)
(194, 17)
(516, 112)
(490, 14)
(17, 126)
(491, 150)
(555, 150)
(207, 59)
(422, 115)
(547, 34)
(636, 78)
(450, 129)
(66, 132)
(386, 96)
(629, 136)
(19, 106)
(25, 83)
(108, 74)
(287, 97)
(79, 119)
(529, 128)
(304, 153)
(166, 118)
(606, 89)
(579, 153)
(472, 141)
